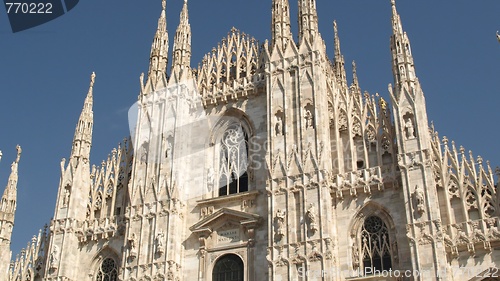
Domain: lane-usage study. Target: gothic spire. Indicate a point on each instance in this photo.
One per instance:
(182, 41)
(402, 60)
(8, 203)
(339, 60)
(281, 32)
(83, 132)
(397, 27)
(308, 20)
(159, 49)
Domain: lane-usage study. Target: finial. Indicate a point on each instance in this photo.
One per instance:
(393, 2)
(1, 155)
(335, 26)
(164, 4)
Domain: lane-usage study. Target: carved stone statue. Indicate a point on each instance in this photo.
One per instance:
(54, 257)
(419, 199)
(311, 219)
(279, 126)
(309, 119)
(168, 153)
(410, 130)
(210, 178)
(66, 197)
(132, 241)
(159, 243)
(280, 224)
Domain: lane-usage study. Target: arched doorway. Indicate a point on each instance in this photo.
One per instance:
(228, 268)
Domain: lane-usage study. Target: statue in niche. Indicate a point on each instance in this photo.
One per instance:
(54, 257)
(159, 242)
(309, 119)
(210, 178)
(144, 151)
(168, 152)
(280, 224)
(279, 126)
(66, 197)
(419, 199)
(311, 218)
(410, 130)
(132, 241)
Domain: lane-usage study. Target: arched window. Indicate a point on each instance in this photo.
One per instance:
(375, 245)
(228, 268)
(107, 271)
(233, 175)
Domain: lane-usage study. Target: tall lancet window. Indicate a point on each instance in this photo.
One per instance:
(108, 271)
(233, 175)
(375, 245)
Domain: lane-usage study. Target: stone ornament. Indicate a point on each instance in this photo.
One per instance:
(311, 219)
(419, 199)
(279, 220)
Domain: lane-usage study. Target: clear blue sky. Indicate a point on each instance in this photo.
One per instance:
(45, 74)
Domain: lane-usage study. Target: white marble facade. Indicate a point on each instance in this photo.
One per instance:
(264, 164)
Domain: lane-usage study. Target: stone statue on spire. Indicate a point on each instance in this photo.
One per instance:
(92, 79)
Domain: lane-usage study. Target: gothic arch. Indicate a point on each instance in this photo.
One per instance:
(230, 139)
(369, 209)
(231, 115)
(373, 239)
(104, 264)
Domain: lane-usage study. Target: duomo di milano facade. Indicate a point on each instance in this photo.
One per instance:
(264, 164)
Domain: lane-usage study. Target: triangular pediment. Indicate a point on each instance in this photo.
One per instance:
(210, 223)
